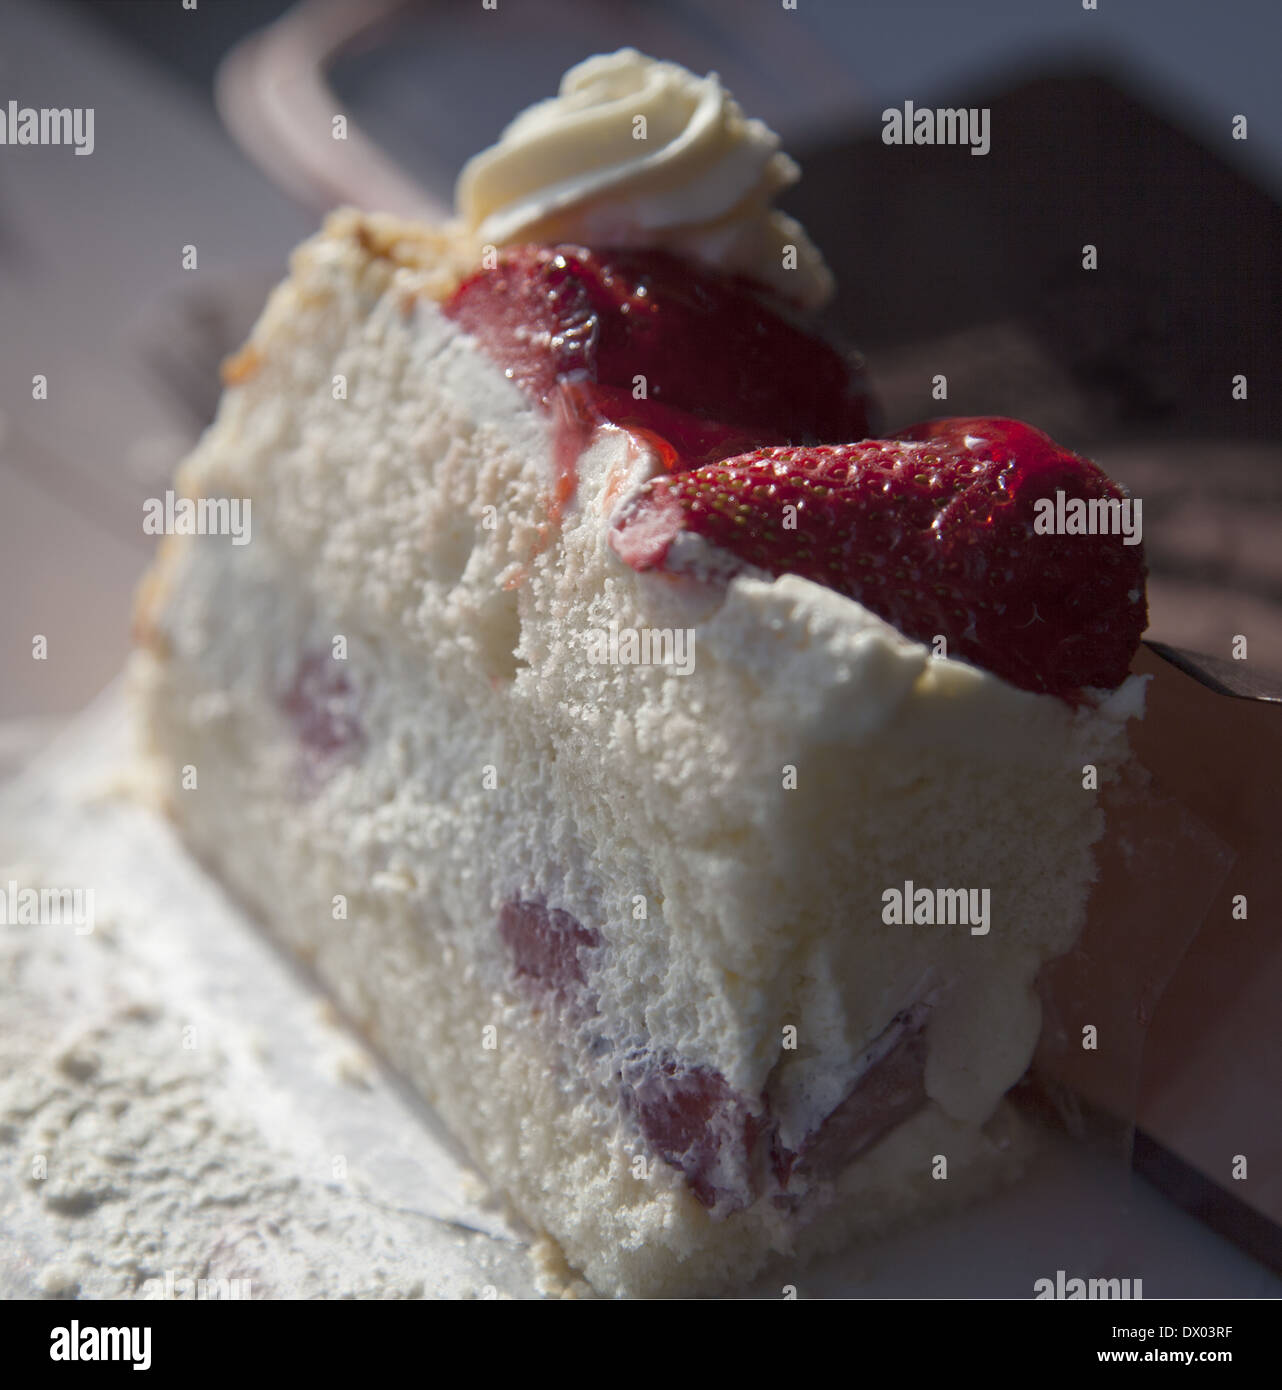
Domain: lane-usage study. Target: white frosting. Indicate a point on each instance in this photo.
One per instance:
(637, 152)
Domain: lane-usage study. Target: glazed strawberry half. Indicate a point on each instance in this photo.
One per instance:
(704, 364)
(938, 531)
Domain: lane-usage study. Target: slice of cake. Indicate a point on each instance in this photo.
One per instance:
(683, 796)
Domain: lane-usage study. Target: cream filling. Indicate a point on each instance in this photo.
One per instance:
(636, 152)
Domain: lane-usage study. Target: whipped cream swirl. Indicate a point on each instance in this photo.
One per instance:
(637, 152)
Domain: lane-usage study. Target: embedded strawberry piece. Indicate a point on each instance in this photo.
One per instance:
(693, 1120)
(934, 532)
(547, 945)
(888, 1093)
(712, 346)
(322, 704)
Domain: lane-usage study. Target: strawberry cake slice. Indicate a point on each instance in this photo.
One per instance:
(682, 788)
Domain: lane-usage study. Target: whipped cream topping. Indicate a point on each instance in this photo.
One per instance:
(638, 152)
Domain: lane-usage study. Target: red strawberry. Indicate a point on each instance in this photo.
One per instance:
(934, 532)
(695, 1121)
(324, 707)
(709, 345)
(547, 945)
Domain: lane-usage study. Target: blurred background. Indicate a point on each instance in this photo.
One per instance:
(1113, 127)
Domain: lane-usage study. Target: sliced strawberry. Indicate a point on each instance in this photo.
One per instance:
(710, 346)
(547, 945)
(934, 532)
(681, 440)
(324, 708)
(694, 1120)
(892, 1090)
(533, 315)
